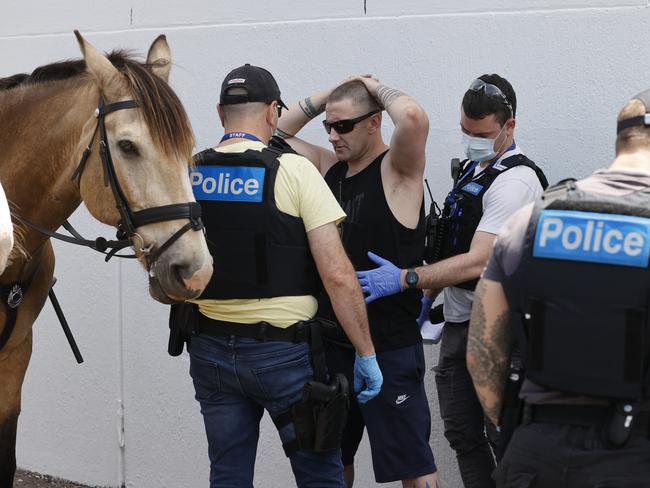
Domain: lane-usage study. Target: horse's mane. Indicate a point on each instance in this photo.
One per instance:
(162, 110)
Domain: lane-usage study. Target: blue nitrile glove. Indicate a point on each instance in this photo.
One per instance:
(424, 311)
(367, 372)
(380, 282)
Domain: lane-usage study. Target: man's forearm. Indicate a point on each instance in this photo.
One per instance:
(489, 342)
(350, 309)
(401, 108)
(448, 272)
(300, 113)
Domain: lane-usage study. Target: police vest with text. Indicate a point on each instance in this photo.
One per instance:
(581, 294)
(258, 250)
(463, 207)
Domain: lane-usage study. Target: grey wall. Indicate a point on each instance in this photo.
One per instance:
(572, 62)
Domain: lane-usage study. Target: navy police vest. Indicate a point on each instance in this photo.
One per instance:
(464, 204)
(258, 251)
(581, 293)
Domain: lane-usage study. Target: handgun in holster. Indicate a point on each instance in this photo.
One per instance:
(183, 318)
(320, 417)
(513, 406)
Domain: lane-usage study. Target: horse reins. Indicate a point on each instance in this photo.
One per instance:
(129, 220)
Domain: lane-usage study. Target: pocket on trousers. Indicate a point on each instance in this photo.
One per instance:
(282, 383)
(506, 477)
(205, 376)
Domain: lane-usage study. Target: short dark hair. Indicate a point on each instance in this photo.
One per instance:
(636, 137)
(355, 91)
(478, 106)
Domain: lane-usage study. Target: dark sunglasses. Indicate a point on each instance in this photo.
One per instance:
(279, 107)
(491, 91)
(345, 126)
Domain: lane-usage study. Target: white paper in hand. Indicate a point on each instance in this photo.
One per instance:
(431, 333)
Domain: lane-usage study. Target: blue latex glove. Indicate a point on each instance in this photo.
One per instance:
(424, 311)
(380, 282)
(367, 372)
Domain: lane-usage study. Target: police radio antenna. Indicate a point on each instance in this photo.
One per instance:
(426, 182)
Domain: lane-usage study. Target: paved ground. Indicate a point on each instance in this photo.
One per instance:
(26, 479)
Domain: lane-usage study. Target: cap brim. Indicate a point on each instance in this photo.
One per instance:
(282, 104)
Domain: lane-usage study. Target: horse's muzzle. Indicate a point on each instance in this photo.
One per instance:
(171, 282)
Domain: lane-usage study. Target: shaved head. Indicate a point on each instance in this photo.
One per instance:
(356, 92)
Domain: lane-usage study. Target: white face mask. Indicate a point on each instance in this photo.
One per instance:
(480, 148)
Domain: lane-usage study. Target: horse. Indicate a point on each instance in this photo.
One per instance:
(109, 131)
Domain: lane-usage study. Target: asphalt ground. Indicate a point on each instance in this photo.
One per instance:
(27, 479)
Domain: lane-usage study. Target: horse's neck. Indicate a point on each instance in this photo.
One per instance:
(40, 130)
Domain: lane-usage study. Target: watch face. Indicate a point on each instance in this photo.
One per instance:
(411, 278)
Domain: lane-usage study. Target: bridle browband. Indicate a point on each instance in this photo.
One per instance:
(129, 220)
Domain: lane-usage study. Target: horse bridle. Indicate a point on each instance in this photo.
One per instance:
(129, 220)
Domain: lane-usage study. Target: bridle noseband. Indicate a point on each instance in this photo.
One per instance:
(129, 220)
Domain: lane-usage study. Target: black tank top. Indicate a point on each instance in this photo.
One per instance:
(371, 226)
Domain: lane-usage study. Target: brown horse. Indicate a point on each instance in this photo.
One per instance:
(141, 138)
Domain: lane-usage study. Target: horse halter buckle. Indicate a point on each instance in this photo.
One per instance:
(15, 297)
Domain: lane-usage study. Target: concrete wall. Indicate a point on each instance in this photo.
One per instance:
(572, 62)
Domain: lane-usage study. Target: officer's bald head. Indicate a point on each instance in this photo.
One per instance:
(633, 138)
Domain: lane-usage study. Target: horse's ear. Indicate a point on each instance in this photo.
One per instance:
(159, 57)
(106, 75)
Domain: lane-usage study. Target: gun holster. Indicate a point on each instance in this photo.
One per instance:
(319, 419)
(320, 416)
(513, 406)
(183, 319)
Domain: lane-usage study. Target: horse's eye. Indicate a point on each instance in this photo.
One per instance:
(128, 147)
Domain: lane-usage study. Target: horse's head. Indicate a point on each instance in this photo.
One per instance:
(150, 145)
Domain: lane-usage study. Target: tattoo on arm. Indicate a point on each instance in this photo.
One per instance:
(490, 345)
(284, 135)
(308, 108)
(387, 95)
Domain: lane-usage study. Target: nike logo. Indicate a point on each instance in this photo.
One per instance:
(401, 399)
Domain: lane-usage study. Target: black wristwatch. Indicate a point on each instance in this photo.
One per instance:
(411, 278)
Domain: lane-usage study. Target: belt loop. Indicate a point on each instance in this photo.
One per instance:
(262, 331)
(527, 416)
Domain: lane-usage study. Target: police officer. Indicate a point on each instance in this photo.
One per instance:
(271, 223)
(572, 272)
(493, 182)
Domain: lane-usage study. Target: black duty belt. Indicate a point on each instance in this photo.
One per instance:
(581, 415)
(261, 331)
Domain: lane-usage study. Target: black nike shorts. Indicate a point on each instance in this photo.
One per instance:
(398, 419)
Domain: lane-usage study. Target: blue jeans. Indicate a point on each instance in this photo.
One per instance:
(235, 380)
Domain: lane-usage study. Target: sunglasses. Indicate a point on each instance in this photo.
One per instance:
(491, 91)
(345, 126)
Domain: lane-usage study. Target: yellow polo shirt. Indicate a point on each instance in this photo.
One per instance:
(300, 191)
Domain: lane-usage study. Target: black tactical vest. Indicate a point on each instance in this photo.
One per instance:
(581, 293)
(258, 251)
(464, 204)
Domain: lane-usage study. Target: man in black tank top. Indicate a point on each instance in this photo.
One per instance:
(380, 189)
(494, 181)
